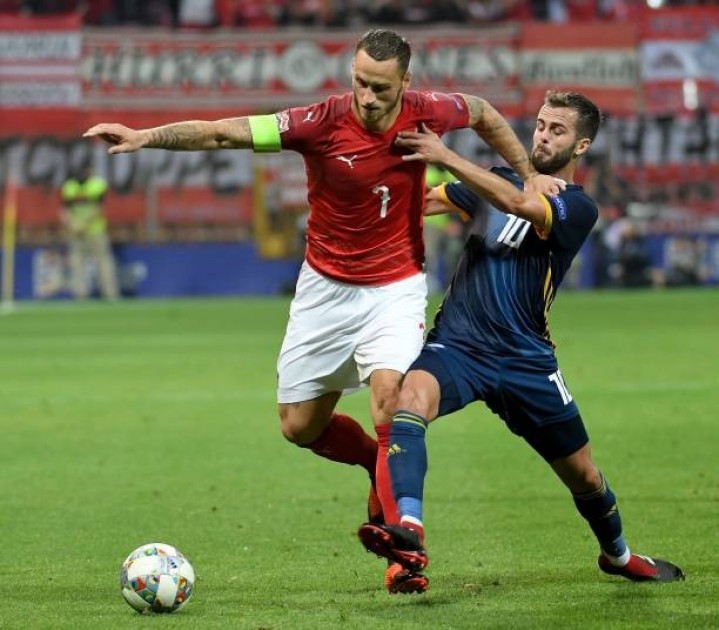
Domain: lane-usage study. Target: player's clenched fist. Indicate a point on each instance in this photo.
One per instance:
(123, 139)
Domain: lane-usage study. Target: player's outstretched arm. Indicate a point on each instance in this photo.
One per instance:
(493, 128)
(190, 135)
(427, 147)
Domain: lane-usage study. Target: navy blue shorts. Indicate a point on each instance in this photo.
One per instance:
(529, 395)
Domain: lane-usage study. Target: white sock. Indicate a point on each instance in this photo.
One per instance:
(408, 521)
(621, 560)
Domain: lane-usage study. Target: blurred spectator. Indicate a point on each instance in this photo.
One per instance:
(447, 11)
(684, 263)
(634, 263)
(603, 185)
(197, 13)
(345, 13)
(495, 10)
(388, 12)
(249, 13)
(562, 11)
(351, 14)
(49, 7)
(305, 13)
(86, 232)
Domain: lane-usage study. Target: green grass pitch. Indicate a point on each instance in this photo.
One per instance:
(155, 421)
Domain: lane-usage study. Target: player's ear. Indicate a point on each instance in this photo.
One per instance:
(582, 147)
(406, 80)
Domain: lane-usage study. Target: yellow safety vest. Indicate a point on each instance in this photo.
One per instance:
(83, 201)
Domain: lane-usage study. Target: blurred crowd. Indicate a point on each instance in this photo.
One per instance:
(331, 13)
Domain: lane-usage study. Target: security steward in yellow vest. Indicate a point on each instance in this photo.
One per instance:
(86, 234)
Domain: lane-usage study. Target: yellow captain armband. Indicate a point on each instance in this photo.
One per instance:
(265, 133)
(544, 230)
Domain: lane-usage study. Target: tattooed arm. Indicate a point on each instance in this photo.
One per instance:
(491, 126)
(190, 135)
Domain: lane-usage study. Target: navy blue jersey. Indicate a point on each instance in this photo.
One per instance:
(505, 283)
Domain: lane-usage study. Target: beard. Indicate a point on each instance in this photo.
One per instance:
(378, 111)
(550, 164)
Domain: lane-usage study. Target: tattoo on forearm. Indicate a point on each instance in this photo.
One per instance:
(185, 135)
(496, 131)
(476, 109)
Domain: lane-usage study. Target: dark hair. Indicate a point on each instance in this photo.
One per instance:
(382, 45)
(589, 117)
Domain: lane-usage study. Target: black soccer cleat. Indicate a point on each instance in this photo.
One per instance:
(643, 569)
(396, 543)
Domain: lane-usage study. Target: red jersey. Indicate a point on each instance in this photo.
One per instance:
(366, 204)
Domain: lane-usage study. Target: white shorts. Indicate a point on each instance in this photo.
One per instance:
(338, 334)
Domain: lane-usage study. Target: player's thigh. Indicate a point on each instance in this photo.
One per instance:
(317, 354)
(536, 404)
(393, 328)
(460, 379)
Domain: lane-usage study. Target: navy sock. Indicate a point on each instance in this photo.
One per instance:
(407, 458)
(599, 508)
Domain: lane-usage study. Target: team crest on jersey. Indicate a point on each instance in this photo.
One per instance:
(561, 208)
(283, 121)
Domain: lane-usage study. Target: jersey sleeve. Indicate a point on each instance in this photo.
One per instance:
(462, 198)
(573, 217)
(448, 111)
(300, 127)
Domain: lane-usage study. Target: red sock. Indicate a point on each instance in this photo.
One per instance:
(345, 441)
(383, 482)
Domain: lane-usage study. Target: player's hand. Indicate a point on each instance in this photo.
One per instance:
(544, 184)
(123, 139)
(424, 144)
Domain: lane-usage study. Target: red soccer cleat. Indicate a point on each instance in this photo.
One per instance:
(643, 569)
(396, 543)
(397, 579)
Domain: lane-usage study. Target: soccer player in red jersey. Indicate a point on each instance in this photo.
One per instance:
(359, 307)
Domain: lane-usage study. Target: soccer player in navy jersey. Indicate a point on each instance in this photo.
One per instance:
(359, 307)
(490, 339)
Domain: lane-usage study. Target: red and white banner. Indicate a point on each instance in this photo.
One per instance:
(57, 80)
(597, 59)
(240, 69)
(680, 59)
(39, 62)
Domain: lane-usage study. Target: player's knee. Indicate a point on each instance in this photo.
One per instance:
(292, 428)
(291, 433)
(414, 399)
(297, 428)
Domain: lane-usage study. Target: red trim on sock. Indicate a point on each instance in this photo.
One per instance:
(383, 482)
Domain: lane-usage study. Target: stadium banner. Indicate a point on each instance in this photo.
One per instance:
(40, 62)
(680, 59)
(272, 70)
(161, 270)
(597, 59)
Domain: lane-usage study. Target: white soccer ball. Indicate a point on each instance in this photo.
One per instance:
(157, 578)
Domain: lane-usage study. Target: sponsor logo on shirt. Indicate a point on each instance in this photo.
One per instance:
(349, 160)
